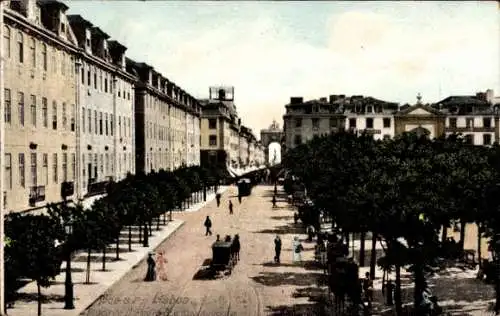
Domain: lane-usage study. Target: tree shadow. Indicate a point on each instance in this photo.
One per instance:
(283, 230)
(74, 283)
(33, 297)
(298, 309)
(120, 250)
(73, 269)
(94, 258)
(282, 218)
(288, 278)
(307, 265)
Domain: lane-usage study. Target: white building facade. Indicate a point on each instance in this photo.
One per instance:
(105, 99)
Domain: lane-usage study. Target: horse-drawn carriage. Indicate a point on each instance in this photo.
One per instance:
(225, 255)
(244, 187)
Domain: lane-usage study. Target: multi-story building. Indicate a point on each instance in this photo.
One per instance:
(39, 103)
(163, 115)
(219, 144)
(304, 120)
(244, 139)
(476, 117)
(105, 115)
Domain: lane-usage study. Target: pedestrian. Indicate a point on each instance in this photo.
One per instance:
(208, 226)
(389, 293)
(274, 201)
(161, 266)
(295, 218)
(297, 250)
(239, 198)
(218, 238)
(275, 189)
(150, 274)
(310, 233)
(217, 198)
(230, 207)
(277, 249)
(368, 288)
(237, 246)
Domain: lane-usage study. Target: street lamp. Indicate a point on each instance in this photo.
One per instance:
(68, 284)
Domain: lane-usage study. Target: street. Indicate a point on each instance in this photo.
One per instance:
(256, 286)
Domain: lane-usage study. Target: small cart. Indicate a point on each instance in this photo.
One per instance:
(244, 187)
(222, 257)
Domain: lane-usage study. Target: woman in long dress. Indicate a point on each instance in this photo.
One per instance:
(161, 266)
(150, 274)
(297, 249)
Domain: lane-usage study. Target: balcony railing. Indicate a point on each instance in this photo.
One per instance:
(97, 188)
(37, 194)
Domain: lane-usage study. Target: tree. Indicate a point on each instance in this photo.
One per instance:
(41, 260)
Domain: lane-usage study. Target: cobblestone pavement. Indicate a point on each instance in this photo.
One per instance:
(256, 286)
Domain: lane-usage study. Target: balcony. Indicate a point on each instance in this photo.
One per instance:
(37, 194)
(67, 189)
(96, 188)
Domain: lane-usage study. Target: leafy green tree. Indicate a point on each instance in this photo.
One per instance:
(33, 247)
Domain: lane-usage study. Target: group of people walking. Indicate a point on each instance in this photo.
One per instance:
(157, 267)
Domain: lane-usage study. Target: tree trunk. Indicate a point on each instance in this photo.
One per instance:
(140, 233)
(346, 234)
(165, 218)
(145, 242)
(104, 257)
(158, 223)
(362, 249)
(373, 257)
(419, 286)
(118, 247)
(397, 292)
(87, 276)
(462, 234)
(129, 238)
(150, 224)
(444, 233)
(479, 233)
(39, 298)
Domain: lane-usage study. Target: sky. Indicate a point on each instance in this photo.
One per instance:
(271, 51)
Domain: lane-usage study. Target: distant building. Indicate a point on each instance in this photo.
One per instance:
(167, 120)
(305, 119)
(475, 116)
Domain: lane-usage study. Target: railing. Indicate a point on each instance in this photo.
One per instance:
(97, 188)
(37, 194)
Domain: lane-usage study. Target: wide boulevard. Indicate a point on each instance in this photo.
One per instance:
(256, 286)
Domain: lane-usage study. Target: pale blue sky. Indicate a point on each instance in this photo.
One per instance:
(273, 50)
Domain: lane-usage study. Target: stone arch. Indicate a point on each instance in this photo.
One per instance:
(273, 134)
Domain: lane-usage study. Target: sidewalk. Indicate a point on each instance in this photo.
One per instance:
(86, 294)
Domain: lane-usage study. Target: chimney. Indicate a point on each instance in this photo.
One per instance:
(296, 100)
(481, 96)
(490, 95)
(222, 94)
(322, 99)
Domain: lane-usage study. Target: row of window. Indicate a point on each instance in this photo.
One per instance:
(96, 166)
(38, 53)
(101, 123)
(155, 131)
(102, 81)
(34, 160)
(153, 103)
(469, 122)
(66, 112)
(469, 139)
(334, 122)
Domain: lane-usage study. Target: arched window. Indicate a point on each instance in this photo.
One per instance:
(33, 52)
(44, 56)
(20, 47)
(6, 41)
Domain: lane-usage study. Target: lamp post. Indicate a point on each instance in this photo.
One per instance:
(68, 284)
(496, 250)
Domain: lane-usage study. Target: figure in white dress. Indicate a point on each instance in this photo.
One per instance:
(297, 250)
